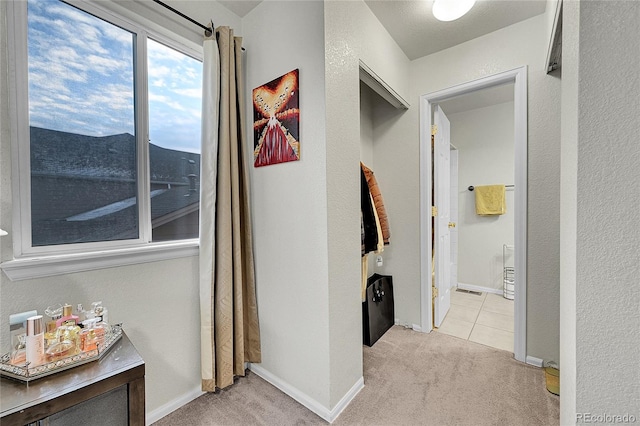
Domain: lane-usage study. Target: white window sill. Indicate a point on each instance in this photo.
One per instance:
(61, 264)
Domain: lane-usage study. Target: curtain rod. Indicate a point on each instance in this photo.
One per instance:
(471, 188)
(182, 15)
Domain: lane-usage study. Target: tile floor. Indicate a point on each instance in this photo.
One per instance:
(485, 319)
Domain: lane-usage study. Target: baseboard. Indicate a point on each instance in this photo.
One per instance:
(173, 405)
(346, 399)
(531, 360)
(306, 400)
(473, 287)
(414, 327)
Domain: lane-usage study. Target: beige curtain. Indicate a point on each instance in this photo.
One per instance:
(230, 334)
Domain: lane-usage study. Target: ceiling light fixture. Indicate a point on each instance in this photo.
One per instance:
(450, 10)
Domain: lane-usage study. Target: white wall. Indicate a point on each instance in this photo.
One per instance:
(521, 44)
(600, 215)
(157, 302)
(290, 215)
(367, 135)
(352, 33)
(485, 142)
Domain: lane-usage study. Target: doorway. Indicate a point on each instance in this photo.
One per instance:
(481, 131)
(428, 112)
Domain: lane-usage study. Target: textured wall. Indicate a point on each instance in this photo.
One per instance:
(289, 202)
(520, 44)
(352, 33)
(484, 138)
(608, 235)
(157, 302)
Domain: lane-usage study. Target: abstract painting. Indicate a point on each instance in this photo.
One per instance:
(276, 121)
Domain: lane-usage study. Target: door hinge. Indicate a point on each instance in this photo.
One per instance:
(434, 211)
(434, 129)
(434, 292)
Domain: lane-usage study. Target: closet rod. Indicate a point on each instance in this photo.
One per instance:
(182, 15)
(471, 188)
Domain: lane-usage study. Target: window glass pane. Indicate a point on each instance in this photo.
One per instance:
(175, 103)
(82, 127)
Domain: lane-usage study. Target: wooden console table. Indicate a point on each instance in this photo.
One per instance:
(122, 367)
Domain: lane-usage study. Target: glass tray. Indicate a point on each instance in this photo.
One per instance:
(26, 374)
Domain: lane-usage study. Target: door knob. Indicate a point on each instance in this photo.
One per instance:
(452, 224)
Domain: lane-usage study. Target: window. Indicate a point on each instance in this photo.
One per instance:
(175, 100)
(108, 132)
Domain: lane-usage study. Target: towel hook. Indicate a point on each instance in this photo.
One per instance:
(471, 188)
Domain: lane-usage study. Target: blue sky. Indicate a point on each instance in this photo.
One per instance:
(81, 79)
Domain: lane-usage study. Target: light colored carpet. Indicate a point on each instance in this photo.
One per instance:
(410, 379)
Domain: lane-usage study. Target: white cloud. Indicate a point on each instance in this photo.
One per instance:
(104, 65)
(192, 93)
(158, 71)
(165, 100)
(80, 71)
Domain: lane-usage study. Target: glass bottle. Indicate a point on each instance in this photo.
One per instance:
(67, 315)
(93, 336)
(61, 349)
(71, 332)
(19, 352)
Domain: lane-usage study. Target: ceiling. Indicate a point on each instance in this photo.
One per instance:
(240, 7)
(479, 99)
(418, 33)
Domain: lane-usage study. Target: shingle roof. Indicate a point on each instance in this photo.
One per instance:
(82, 186)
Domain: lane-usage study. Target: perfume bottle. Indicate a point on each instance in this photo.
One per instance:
(69, 331)
(35, 341)
(19, 352)
(18, 328)
(54, 313)
(100, 311)
(93, 335)
(82, 314)
(67, 315)
(61, 349)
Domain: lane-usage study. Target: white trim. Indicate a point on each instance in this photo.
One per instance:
(414, 327)
(47, 266)
(520, 235)
(474, 287)
(426, 315)
(346, 399)
(531, 360)
(306, 400)
(554, 51)
(173, 405)
(378, 85)
(518, 76)
(18, 113)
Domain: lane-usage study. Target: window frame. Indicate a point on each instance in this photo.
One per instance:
(37, 261)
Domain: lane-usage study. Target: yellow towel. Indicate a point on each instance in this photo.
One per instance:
(490, 200)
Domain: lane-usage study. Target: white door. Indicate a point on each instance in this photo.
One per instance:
(442, 197)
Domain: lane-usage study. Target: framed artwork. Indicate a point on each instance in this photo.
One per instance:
(276, 121)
